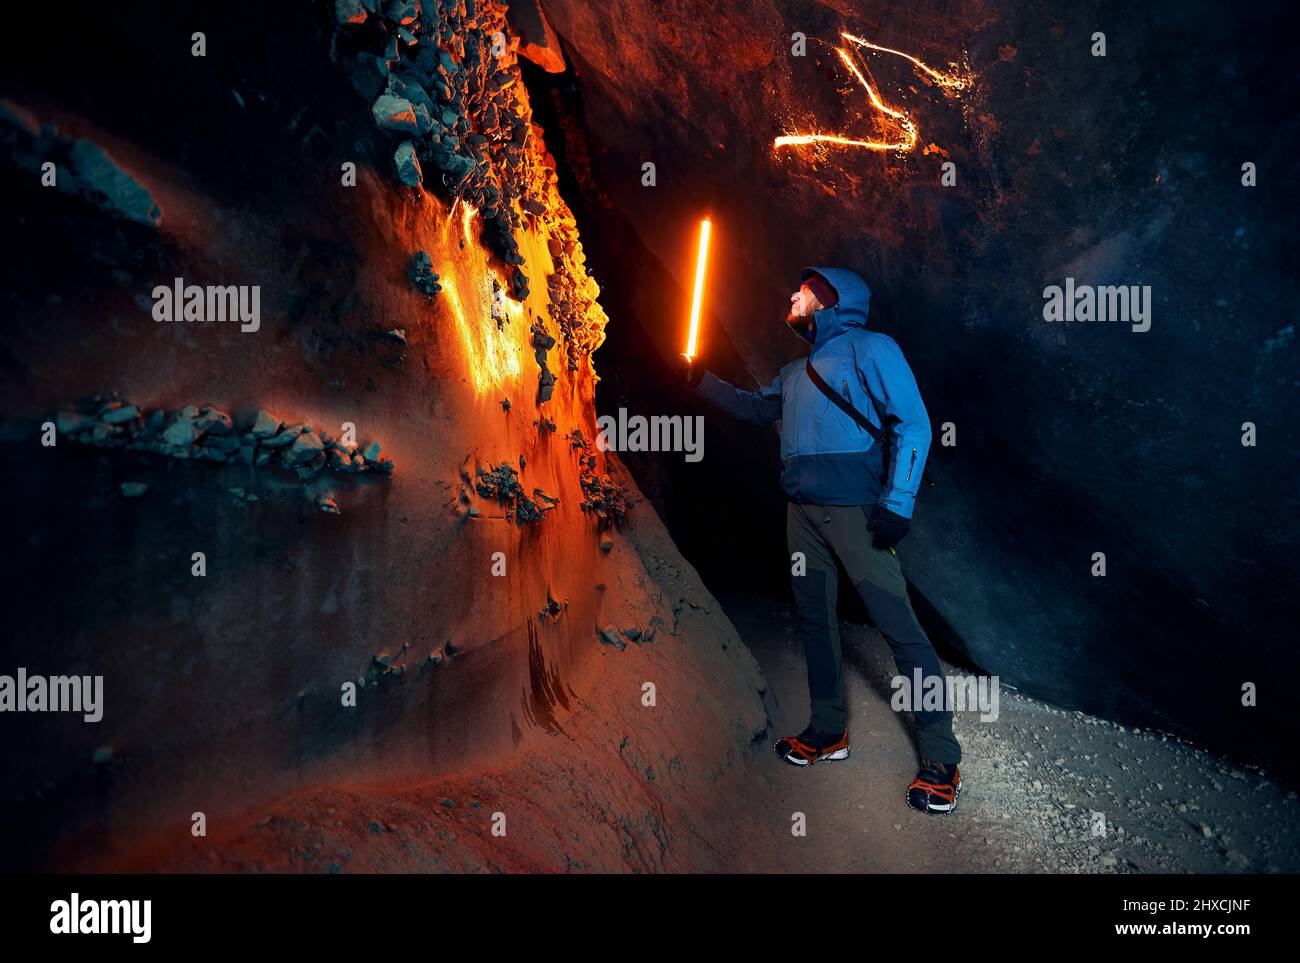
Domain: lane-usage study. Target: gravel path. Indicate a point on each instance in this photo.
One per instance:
(1040, 784)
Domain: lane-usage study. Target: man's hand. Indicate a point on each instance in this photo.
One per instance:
(887, 528)
(685, 368)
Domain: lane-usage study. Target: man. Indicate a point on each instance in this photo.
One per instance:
(850, 504)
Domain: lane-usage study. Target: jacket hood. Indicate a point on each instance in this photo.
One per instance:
(851, 309)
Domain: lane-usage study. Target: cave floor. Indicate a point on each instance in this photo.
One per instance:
(1032, 781)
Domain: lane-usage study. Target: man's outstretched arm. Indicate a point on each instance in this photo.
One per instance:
(762, 407)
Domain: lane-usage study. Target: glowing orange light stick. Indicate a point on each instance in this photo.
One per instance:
(701, 261)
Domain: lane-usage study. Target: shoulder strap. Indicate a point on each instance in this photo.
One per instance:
(844, 404)
(847, 407)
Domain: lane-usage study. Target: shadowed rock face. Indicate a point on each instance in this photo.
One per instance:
(1071, 438)
(223, 693)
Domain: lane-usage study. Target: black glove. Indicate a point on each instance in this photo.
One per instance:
(686, 369)
(888, 528)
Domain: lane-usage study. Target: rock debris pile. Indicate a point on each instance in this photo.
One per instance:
(211, 434)
(501, 482)
(422, 275)
(601, 496)
(442, 78)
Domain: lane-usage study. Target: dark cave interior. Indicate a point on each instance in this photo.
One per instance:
(1071, 440)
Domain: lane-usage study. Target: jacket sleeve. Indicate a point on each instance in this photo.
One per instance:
(762, 407)
(890, 379)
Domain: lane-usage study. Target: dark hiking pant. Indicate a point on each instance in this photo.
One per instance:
(825, 534)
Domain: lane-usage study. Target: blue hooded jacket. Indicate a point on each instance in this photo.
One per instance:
(828, 458)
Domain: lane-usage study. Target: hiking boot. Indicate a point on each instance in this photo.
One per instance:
(812, 746)
(935, 788)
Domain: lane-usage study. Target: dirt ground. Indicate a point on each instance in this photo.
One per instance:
(1032, 781)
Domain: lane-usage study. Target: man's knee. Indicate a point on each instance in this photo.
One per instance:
(891, 612)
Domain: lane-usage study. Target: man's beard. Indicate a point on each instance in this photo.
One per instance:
(801, 323)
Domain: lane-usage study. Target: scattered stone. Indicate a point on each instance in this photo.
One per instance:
(394, 113)
(180, 433)
(304, 448)
(214, 422)
(349, 11)
(542, 343)
(283, 439)
(502, 483)
(103, 182)
(71, 422)
(327, 504)
(422, 275)
(265, 426)
(407, 164)
(545, 385)
(609, 636)
(133, 489)
(120, 415)
(603, 497)
(402, 11)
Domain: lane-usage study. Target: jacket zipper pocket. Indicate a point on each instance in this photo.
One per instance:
(844, 390)
(911, 466)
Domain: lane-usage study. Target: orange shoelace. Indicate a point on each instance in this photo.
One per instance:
(947, 792)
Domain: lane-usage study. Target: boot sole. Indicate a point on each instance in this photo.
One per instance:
(835, 756)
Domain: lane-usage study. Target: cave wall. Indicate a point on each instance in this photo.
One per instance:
(1072, 438)
(523, 692)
